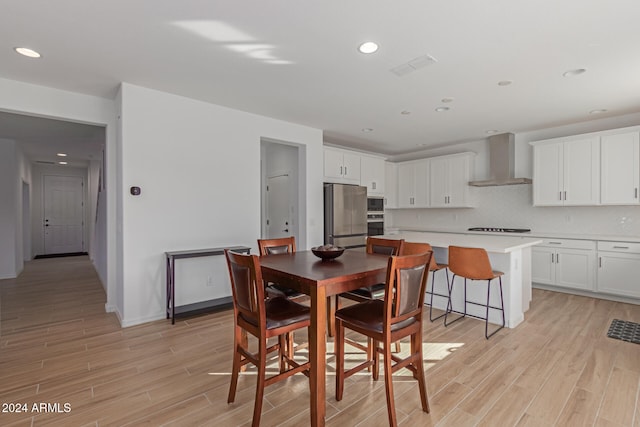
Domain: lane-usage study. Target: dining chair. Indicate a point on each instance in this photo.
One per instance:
(264, 319)
(412, 248)
(375, 245)
(280, 245)
(388, 320)
(473, 264)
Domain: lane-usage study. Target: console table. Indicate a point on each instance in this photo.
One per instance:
(199, 307)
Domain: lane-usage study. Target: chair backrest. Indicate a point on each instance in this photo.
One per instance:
(472, 263)
(281, 245)
(247, 287)
(414, 248)
(405, 287)
(378, 245)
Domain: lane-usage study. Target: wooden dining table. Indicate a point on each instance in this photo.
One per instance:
(306, 273)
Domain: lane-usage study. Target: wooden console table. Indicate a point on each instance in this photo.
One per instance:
(199, 307)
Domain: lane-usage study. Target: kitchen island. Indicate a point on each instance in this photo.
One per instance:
(509, 254)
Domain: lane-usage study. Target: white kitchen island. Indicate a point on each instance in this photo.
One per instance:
(509, 254)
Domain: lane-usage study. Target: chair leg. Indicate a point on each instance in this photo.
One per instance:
(416, 340)
(234, 369)
(262, 372)
(488, 335)
(331, 315)
(450, 304)
(338, 344)
(433, 284)
(376, 360)
(283, 349)
(388, 384)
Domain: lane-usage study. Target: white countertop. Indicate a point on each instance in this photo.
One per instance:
(490, 242)
(535, 234)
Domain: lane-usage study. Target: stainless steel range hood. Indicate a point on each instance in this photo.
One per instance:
(501, 162)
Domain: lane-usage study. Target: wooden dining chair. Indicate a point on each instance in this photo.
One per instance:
(385, 321)
(264, 319)
(375, 245)
(280, 245)
(413, 248)
(474, 264)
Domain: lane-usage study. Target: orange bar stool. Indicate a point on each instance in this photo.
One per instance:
(473, 264)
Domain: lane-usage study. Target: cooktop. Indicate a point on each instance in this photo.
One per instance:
(500, 230)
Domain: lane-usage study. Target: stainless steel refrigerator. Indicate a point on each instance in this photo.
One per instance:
(345, 215)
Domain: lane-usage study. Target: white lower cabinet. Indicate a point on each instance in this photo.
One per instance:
(618, 267)
(564, 263)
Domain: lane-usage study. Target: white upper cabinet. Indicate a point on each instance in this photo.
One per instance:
(372, 175)
(566, 172)
(390, 185)
(620, 169)
(342, 167)
(449, 178)
(413, 186)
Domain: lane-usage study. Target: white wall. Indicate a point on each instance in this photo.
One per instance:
(511, 206)
(8, 209)
(198, 166)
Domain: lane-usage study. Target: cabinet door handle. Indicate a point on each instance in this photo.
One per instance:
(555, 243)
(341, 171)
(636, 193)
(565, 195)
(621, 247)
(373, 185)
(560, 195)
(600, 261)
(551, 258)
(557, 258)
(345, 170)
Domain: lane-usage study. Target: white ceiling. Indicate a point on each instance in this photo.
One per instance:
(297, 60)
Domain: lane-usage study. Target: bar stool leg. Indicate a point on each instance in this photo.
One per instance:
(450, 304)
(486, 327)
(433, 284)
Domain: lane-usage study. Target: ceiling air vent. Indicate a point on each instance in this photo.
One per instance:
(413, 65)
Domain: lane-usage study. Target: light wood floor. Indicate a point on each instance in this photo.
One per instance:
(58, 346)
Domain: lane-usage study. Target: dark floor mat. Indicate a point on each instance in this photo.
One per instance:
(60, 255)
(625, 331)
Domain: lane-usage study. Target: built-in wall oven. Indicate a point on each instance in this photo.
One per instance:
(375, 216)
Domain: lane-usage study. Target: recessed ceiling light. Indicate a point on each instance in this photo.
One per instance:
(445, 100)
(62, 163)
(368, 47)
(491, 132)
(442, 109)
(504, 82)
(27, 52)
(573, 73)
(598, 111)
(405, 112)
(367, 130)
(61, 155)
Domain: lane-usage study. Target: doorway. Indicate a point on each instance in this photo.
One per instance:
(280, 209)
(63, 223)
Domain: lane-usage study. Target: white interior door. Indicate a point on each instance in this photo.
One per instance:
(278, 207)
(63, 223)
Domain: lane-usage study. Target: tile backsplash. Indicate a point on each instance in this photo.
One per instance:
(511, 206)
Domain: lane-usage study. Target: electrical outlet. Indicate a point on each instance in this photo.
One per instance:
(209, 281)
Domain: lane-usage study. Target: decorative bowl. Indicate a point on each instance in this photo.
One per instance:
(327, 254)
